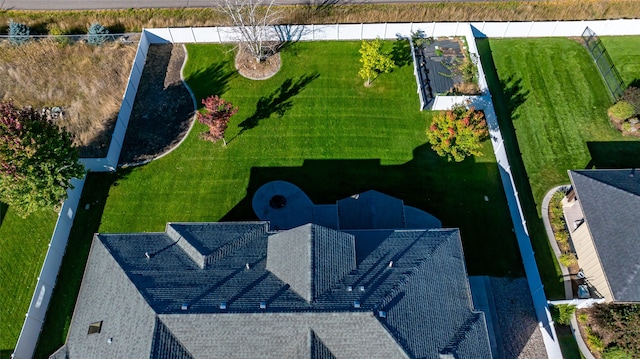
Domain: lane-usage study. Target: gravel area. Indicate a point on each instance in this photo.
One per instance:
(521, 337)
(163, 109)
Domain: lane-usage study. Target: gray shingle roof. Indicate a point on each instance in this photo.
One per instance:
(410, 287)
(610, 201)
(311, 259)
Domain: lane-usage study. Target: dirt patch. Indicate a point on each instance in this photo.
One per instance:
(87, 82)
(163, 110)
(248, 67)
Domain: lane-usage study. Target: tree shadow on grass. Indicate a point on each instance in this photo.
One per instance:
(453, 192)
(3, 212)
(213, 80)
(508, 95)
(85, 224)
(401, 52)
(277, 102)
(614, 154)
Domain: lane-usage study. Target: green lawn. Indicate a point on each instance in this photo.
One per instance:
(23, 245)
(313, 124)
(316, 125)
(625, 53)
(551, 104)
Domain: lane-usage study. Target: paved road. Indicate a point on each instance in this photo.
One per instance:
(126, 4)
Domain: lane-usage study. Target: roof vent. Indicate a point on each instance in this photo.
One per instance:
(356, 304)
(223, 305)
(247, 266)
(349, 288)
(356, 196)
(382, 314)
(110, 340)
(263, 305)
(362, 288)
(390, 264)
(185, 306)
(146, 254)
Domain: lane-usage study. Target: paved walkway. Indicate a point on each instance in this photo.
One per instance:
(568, 290)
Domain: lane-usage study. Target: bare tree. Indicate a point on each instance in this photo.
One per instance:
(253, 19)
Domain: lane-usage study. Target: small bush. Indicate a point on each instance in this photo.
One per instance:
(594, 342)
(97, 34)
(621, 110)
(562, 237)
(18, 33)
(568, 259)
(583, 317)
(615, 353)
(562, 313)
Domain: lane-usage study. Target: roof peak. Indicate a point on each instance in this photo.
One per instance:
(311, 258)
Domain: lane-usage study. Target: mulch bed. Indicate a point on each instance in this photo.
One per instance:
(163, 109)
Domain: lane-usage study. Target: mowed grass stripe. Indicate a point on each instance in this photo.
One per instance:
(552, 104)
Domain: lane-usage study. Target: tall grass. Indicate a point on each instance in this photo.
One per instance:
(73, 22)
(86, 81)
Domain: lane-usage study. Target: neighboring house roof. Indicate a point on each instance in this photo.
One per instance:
(224, 290)
(610, 202)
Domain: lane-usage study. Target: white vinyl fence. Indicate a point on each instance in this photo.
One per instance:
(28, 338)
(46, 281)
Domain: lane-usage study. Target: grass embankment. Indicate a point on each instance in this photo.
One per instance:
(86, 81)
(553, 115)
(316, 125)
(76, 22)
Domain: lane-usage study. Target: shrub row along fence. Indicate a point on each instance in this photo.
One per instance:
(604, 63)
(46, 281)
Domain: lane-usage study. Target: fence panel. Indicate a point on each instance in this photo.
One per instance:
(182, 35)
(394, 29)
(352, 32)
(442, 29)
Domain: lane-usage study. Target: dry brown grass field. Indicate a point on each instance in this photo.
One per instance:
(86, 81)
(322, 11)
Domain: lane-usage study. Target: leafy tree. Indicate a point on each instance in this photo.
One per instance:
(458, 133)
(97, 34)
(374, 61)
(18, 33)
(216, 115)
(252, 20)
(37, 160)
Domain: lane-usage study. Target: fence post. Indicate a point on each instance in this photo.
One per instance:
(170, 35)
(337, 31)
(530, 28)
(219, 37)
(385, 30)
(194, 35)
(361, 31)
